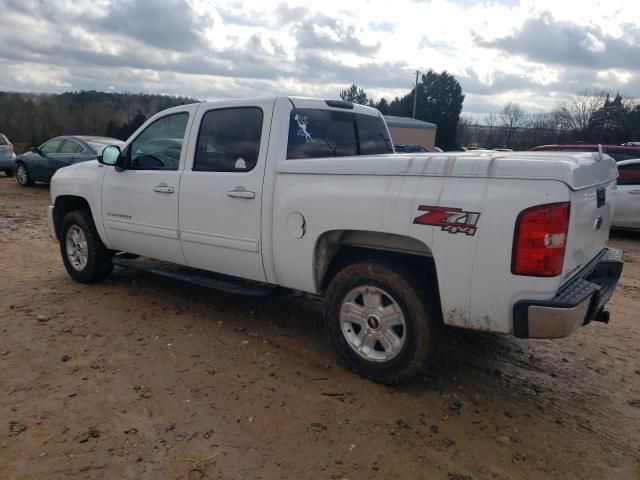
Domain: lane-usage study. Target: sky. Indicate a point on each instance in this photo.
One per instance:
(533, 52)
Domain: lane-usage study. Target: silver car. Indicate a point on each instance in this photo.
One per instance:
(626, 214)
(7, 157)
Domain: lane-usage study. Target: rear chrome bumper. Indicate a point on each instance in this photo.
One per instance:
(577, 303)
(52, 225)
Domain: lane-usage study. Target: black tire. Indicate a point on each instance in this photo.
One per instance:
(418, 303)
(9, 173)
(24, 180)
(98, 257)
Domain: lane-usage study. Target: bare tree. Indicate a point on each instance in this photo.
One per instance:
(577, 111)
(491, 121)
(512, 118)
(466, 130)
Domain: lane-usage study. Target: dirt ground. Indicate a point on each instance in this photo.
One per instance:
(124, 379)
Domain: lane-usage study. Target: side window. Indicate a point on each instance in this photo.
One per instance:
(159, 146)
(318, 133)
(71, 146)
(629, 174)
(52, 146)
(229, 140)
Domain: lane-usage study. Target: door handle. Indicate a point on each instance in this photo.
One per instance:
(163, 188)
(241, 192)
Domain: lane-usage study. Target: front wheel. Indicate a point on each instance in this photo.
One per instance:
(85, 257)
(22, 176)
(382, 320)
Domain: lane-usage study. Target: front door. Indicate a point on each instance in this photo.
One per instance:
(221, 190)
(140, 204)
(42, 164)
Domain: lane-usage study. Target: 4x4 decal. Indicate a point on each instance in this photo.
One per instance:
(452, 220)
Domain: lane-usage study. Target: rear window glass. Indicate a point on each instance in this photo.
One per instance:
(629, 175)
(319, 133)
(99, 147)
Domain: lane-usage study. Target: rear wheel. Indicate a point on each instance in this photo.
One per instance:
(382, 320)
(85, 257)
(22, 176)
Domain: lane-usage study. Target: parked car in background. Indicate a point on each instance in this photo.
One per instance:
(409, 148)
(40, 163)
(626, 214)
(415, 149)
(617, 152)
(7, 156)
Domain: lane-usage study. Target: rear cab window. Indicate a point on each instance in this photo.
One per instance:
(321, 133)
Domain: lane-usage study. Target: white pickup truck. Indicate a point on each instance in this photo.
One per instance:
(308, 195)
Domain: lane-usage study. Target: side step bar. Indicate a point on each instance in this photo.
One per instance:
(194, 276)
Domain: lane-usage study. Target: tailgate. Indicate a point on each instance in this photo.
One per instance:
(590, 221)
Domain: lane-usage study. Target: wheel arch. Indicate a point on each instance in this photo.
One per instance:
(65, 204)
(336, 249)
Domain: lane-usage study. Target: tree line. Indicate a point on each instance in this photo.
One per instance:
(589, 117)
(29, 119)
(439, 100)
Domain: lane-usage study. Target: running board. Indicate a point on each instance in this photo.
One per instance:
(194, 276)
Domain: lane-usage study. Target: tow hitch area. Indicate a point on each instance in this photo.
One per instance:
(577, 303)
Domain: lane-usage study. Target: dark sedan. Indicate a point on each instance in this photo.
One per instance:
(39, 164)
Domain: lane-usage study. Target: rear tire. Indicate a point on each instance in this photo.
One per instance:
(85, 257)
(22, 176)
(383, 320)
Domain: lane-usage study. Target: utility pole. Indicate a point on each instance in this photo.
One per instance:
(415, 94)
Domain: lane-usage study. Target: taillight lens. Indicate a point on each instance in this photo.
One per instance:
(539, 240)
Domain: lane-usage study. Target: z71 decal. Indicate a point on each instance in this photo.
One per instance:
(452, 220)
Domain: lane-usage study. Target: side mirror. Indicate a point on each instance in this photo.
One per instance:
(109, 155)
(36, 150)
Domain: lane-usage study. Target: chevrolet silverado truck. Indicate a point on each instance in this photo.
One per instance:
(255, 196)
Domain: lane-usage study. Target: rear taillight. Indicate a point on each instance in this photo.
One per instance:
(539, 240)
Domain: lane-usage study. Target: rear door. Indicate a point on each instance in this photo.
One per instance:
(221, 189)
(67, 155)
(627, 209)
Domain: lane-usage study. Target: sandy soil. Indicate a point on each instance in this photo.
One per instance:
(122, 379)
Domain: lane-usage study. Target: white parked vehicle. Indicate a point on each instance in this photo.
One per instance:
(307, 195)
(627, 201)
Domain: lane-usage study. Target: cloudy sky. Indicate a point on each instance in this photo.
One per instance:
(531, 51)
